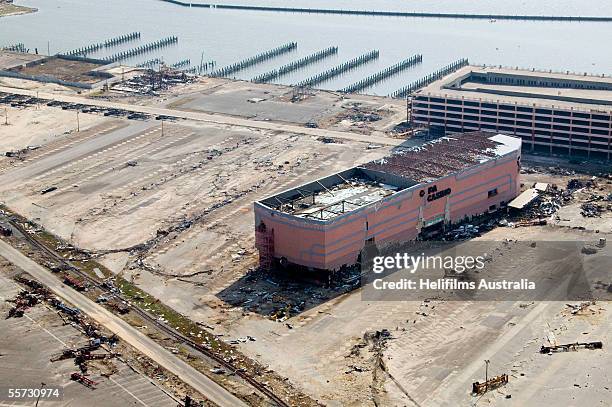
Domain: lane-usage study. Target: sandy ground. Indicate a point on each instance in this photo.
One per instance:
(36, 127)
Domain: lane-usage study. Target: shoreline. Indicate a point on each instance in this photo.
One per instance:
(9, 9)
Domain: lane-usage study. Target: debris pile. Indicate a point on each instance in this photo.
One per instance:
(591, 210)
(279, 298)
(493, 383)
(151, 82)
(24, 300)
(571, 347)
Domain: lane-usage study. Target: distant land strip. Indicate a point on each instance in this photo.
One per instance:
(393, 13)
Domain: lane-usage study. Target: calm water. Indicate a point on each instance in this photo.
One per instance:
(227, 36)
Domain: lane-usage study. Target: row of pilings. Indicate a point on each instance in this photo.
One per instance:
(181, 64)
(20, 47)
(143, 49)
(109, 43)
(205, 66)
(384, 74)
(295, 65)
(149, 63)
(193, 71)
(238, 66)
(440, 73)
(340, 69)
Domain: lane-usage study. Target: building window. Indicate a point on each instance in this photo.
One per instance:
(492, 192)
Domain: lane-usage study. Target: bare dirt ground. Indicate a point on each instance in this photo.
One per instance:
(41, 126)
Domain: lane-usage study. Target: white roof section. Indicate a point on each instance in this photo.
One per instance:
(507, 144)
(524, 199)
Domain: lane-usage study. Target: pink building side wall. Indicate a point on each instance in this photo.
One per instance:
(331, 244)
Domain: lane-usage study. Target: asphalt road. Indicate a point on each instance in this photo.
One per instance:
(211, 118)
(125, 331)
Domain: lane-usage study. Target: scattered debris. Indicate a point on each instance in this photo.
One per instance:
(47, 190)
(571, 347)
(493, 383)
(78, 377)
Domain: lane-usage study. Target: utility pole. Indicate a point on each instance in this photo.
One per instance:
(78, 123)
(49, 48)
(487, 361)
(162, 128)
(5, 117)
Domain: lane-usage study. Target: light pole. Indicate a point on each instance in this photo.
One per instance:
(42, 384)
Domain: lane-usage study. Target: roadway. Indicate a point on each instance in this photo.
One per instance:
(216, 118)
(125, 331)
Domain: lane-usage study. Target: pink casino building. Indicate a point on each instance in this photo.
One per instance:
(325, 224)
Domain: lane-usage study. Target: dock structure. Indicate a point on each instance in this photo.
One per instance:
(431, 78)
(384, 74)
(295, 65)
(383, 13)
(143, 49)
(109, 43)
(339, 70)
(254, 60)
